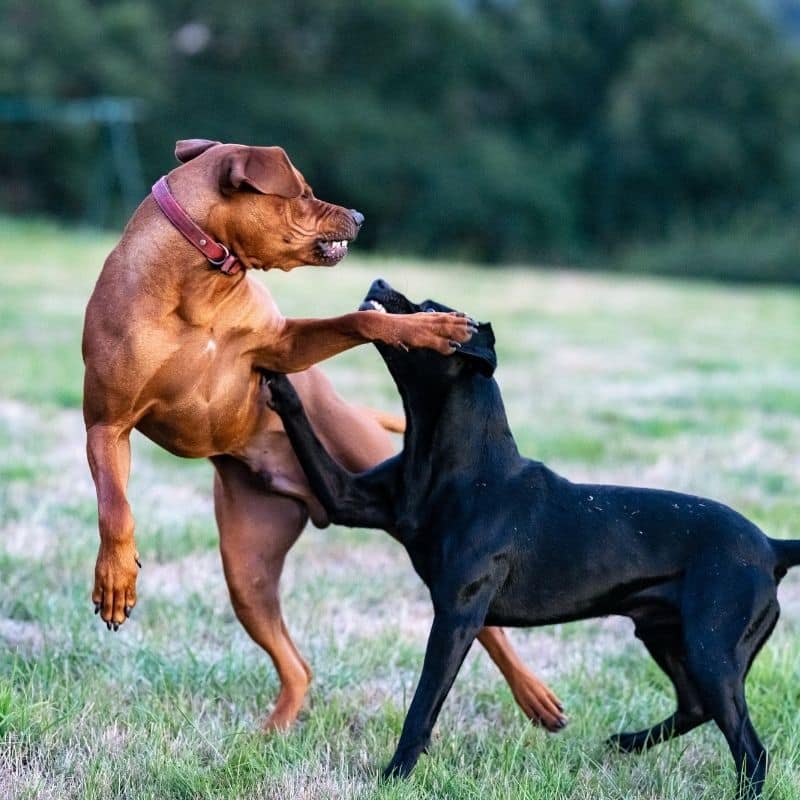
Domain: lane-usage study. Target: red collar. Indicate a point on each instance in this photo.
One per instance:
(217, 254)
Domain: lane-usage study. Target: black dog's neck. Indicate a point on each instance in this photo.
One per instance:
(460, 425)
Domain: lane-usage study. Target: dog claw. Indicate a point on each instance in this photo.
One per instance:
(108, 626)
(128, 611)
(116, 627)
(455, 345)
(97, 607)
(138, 563)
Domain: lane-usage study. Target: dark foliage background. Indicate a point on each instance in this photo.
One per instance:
(659, 135)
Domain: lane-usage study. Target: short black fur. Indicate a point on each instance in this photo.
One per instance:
(502, 540)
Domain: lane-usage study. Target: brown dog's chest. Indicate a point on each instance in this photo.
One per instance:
(210, 401)
(203, 397)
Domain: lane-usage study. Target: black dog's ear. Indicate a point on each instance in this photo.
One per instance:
(434, 305)
(480, 349)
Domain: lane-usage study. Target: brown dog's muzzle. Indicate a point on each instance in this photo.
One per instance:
(331, 248)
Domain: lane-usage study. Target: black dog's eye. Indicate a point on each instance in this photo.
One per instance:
(430, 310)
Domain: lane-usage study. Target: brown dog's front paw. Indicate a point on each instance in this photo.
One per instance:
(115, 574)
(442, 331)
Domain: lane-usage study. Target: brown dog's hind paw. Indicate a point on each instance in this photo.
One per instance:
(539, 704)
(285, 713)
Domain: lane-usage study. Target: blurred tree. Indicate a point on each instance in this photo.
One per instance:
(700, 121)
(69, 49)
(493, 129)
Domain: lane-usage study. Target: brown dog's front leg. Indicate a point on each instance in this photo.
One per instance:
(533, 696)
(300, 343)
(117, 567)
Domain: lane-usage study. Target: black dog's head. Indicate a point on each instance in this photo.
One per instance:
(427, 367)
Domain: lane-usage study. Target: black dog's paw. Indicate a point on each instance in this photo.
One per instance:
(404, 760)
(397, 770)
(282, 395)
(627, 742)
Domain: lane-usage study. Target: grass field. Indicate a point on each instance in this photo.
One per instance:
(686, 386)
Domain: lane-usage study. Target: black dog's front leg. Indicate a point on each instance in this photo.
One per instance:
(356, 500)
(450, 638)
(460, 612)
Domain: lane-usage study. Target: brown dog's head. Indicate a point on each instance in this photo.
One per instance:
(267, 213)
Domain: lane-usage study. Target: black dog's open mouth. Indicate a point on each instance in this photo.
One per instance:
(331, 251)
(372, 305)
(383, 298)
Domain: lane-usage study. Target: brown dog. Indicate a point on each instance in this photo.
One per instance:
(171, 347)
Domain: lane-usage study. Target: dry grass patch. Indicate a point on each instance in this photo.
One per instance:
(692, 387)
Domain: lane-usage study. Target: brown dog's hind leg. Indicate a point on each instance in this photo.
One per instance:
(533, 696)
(257, 528)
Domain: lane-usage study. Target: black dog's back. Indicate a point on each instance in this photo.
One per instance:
(602, 545)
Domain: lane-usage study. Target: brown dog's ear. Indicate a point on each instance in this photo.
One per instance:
(187, 149)
(266, 170)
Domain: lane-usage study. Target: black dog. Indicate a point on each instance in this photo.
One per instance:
(502, 540)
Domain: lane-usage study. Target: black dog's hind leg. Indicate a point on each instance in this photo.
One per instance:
(721, 643)
(725, 699)
(665, 644)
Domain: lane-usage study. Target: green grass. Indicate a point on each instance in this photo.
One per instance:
(686, 386)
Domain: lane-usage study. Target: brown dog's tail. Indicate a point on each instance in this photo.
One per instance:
(394, 423)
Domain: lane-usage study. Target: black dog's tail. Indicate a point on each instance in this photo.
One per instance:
(787, 551)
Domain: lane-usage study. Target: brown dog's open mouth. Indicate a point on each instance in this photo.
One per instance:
(331, 251)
